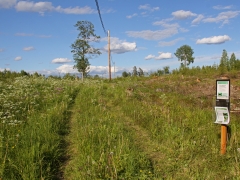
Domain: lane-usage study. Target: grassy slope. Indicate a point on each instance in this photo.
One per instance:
(162, 130)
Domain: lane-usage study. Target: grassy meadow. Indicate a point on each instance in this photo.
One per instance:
(157, 127)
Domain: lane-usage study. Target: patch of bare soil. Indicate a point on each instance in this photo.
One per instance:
(201, 88)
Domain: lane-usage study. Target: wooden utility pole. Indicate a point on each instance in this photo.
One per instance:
(109, 56)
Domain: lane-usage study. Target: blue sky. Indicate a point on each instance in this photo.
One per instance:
(36, 36)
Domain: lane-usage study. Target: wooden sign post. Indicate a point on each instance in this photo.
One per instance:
(222, 109)
(223, 138)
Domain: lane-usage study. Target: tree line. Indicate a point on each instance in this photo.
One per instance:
(6, 75)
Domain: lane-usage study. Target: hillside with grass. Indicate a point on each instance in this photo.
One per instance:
(156, 127)
(151, 128)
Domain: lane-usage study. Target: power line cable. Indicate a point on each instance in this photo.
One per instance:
(99, 13)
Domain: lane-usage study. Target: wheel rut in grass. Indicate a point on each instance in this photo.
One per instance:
(95, 113)
(63, 133)
(143, 140)
(142, 137)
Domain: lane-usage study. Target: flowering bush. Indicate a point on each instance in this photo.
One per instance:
(30, 102)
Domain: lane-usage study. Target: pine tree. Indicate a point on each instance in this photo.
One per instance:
(224, 62)
(125, 74)
(232, 62)
(140, 72)
(134, 73)
(166, 70)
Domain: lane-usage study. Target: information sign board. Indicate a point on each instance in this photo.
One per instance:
(222, 109)
(222, 115)
(222, 101)
(223, 89)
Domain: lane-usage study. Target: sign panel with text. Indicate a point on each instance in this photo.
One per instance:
(222, 107)
(222, 115)
(223, 89)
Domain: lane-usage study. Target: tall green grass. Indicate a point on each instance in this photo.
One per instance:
(33, 115)
(102, 147)
(129, 128)
(183, 127)
(163, 129)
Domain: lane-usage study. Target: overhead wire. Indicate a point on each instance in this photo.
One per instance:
(99, 13)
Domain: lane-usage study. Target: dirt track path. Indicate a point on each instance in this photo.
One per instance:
(144, 142)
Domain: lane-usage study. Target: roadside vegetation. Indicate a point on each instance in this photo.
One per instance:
(33, 116)
(159, 126)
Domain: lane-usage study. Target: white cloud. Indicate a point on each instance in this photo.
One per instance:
(163, 56)
(174, 26)
(99, 69)
(181, 14)
(42, 7)
(153, 35)
(1, 69)
(183, 30)
(148, 8)
(198, 19)
(18, 58)
(219, 7)
(119, 46)
(214, 40)
(131, 16)
(104, 69)
(45, 72)
(123, 47)
(75, 10)
(93, 69)
(66, 68)
(169, 43)
(28, 48)
(150, 56)
(222, 17)
(7, 3)
(61, 60)
(164, 23)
